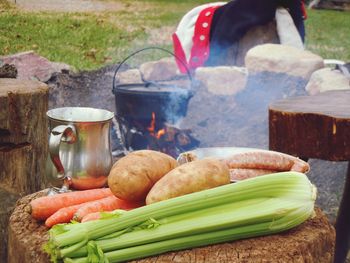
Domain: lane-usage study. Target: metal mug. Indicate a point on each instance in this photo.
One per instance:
(79, 147)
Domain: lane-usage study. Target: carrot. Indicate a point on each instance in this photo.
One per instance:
(103, 205)
(92, 216)
(63, 215)
(43, 207)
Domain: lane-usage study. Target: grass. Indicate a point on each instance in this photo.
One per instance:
(91, 40)
(328, 34)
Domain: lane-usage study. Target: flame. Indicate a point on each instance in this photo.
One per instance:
(160, 133)
(152, 128)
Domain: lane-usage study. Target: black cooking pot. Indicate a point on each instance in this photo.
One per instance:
(140, 100)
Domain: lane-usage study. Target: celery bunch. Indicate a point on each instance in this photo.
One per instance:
(259, 206)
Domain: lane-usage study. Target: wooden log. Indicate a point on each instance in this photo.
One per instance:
(313, 242)
(23, 135)
(23, 144)
(7, 204)
(312, 126)
(317, 127)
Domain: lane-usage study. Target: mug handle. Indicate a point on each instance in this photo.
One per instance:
(61, 133)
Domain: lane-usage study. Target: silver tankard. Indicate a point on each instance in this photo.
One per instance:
(79, 147)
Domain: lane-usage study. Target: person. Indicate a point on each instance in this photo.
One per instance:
(208, 33)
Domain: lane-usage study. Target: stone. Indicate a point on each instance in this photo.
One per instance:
(163, 69)
(283, 59)
(257, 35)
(327, 79)
(129, 76)
(32, 66)
(223, 80)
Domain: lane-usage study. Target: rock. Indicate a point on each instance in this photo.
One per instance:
(339, 5)
(82, 89)
(59, 66)
(327, 79)
(32, 66)
(280, 31)
(8, 71)
(222, 80)
(163, 69)
(129, 76)
(283, 59)
(257, 35)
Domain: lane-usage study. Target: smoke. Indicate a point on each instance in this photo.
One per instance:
(239, 120)
(176, 105)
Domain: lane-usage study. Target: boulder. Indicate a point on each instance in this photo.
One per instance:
(327, 79)
(129, 76)
(32, 66)
(283, 59)
(222, 80)
(163, 69)
(257, 35)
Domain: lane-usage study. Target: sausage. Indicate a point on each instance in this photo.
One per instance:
(239, 174)
(266, 160)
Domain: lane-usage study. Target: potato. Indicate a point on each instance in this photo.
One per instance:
(132, 176)
(189, 178)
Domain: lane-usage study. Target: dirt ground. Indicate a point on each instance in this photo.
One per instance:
(67, 5)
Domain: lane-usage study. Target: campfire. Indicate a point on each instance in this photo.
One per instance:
(149, 111)
(155, 134)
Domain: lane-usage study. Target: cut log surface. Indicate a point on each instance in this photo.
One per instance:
(313, 242)
(321, 122)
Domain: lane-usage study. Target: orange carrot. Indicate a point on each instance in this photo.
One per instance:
(93, 216)
(109, 203)
(63, 215)
(43, 207)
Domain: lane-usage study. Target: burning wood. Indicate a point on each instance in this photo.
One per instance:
(155, 135)
(169, 139)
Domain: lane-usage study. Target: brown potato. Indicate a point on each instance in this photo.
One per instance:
(189, 178)
(132, 176)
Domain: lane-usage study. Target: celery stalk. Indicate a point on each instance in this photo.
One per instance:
(268, 185)
(207, 220)
(289, 220)
(283, 186)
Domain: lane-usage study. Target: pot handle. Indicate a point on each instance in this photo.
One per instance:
(147, 48)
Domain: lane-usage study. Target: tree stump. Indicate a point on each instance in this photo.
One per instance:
(23, 144)
(317, 127)
(23, 135)
(312, 126)
(313, 242)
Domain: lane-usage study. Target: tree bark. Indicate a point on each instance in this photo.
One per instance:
(312, 126)
(23, 145)
(23, 135)
(313, 242)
